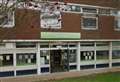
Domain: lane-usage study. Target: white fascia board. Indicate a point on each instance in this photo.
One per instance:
(20, 40)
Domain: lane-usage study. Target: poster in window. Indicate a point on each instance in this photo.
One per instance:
(8, 57)
(1, 57)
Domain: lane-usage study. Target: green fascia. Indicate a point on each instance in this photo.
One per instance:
(60, 36)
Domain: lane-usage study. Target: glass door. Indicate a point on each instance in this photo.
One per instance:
(59, 61)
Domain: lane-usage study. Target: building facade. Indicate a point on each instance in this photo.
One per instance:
(74, 35)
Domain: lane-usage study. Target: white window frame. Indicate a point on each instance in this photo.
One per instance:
(104, 13)
(113, 12)
(117, 28)
(116, 18)
(89, 27)
(10, 25)
(97, 10)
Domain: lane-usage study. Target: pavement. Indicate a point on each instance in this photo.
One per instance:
(57, 76)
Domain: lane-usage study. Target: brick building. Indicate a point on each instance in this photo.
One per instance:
(80, 35)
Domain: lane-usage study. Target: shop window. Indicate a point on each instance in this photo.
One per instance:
(101, 55)
(87, 55)
(6, 60)
(116, 50)
(7, 20)
(44, 57)
(25, 45)
(72, 56)
(26, 59)
(116, 54)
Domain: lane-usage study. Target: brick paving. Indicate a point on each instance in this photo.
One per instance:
(56, 76)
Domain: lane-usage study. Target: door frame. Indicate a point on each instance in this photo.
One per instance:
(68, 66)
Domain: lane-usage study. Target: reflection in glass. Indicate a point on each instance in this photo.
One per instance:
(116, 54)
(102, 55)
(6, 59)
(72, 56)
(26, 58)
(44, 57)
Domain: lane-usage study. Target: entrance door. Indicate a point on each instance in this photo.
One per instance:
(57, 61)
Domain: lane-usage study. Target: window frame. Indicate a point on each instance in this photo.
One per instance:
(89, 8)
(117, 18)
(13, 22)
(24, 61)
(89, 27)
(25, 45)
(104, 11)
(6, 62)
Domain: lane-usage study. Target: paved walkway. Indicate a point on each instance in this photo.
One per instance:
(56, 76)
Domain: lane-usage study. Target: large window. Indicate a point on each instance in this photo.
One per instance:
(6, 59)
(26, 59)
(101, 55)
(116, 54)
(116, 50)
(117, 22)
(102, 50)
(89, 22)
(44, 57)
(116, 13)
(7, 20)
(72, 56)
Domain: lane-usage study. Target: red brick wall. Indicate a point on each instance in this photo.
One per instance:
(27, 26)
